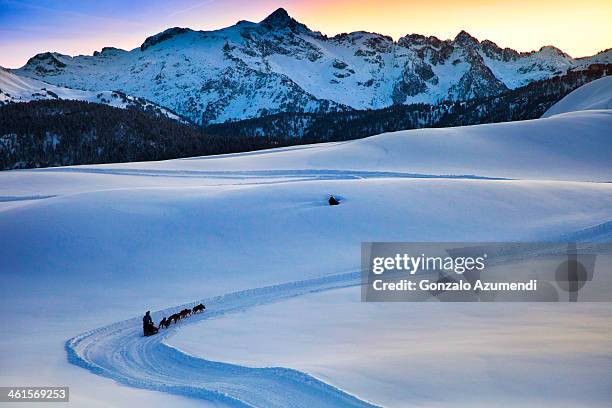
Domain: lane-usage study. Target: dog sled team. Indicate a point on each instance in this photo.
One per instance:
(149, 328)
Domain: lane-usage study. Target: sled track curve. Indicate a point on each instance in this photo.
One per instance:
(120, 352)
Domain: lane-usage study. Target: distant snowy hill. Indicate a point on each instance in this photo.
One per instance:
(280, 65)
(530, 149)
(594, 95)
(15, 88)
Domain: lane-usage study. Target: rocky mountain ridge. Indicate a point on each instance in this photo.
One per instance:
(278, 65)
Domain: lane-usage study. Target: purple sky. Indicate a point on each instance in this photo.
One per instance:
(81, 27)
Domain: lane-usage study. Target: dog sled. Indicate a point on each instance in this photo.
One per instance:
(149, 328)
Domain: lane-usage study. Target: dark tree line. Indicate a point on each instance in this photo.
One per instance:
(61, 132)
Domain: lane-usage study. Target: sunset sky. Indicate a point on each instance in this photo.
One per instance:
(580, 28)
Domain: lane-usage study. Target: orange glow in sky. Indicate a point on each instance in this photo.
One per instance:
(580, 28)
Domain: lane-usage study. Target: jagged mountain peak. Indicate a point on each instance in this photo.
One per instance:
(465, 37)
(552, 50)
(280, 19)
(51, 56)
(163, 36)
(109, 51)
(280, 14)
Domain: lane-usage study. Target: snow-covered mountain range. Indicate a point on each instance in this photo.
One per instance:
(279, 65)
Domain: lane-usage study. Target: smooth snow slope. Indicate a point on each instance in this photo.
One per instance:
(15, 88)
(591, 96)
(576, 147)
(85, 246)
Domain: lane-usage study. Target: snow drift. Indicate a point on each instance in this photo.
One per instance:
(592, 96)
